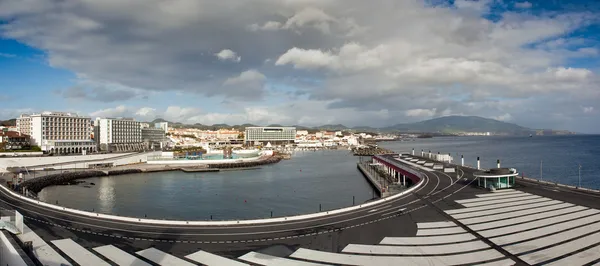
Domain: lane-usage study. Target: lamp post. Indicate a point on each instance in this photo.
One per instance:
(541, 169)
(579, 176)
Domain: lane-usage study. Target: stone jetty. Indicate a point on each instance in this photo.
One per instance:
(370, 151)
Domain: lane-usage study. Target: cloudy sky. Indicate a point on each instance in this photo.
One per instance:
(309, 62)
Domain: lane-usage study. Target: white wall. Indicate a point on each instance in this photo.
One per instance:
(8, 253)
(32, 161)
(36, 131)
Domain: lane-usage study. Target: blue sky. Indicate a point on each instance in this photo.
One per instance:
(533, 63)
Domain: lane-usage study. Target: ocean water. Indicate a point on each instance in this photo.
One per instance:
(553, 158)
(290, 187)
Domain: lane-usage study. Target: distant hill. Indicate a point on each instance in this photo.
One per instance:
(8, 123)
(440, 125)
(456, 124)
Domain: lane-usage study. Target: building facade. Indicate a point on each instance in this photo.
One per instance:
(24, 124)
(58, 132)
(273, 135)
(154, 138)
(118, 134)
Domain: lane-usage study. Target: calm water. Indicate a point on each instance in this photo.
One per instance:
(559, 155)
(329, 178)
(290, 187)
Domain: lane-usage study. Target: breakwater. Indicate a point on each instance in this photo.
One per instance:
(36, 185)
(270, 160)
(370, 151)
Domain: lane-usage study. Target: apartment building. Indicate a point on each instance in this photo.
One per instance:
(273, 135)
(24, 124)
(118, 134)
(58, 132)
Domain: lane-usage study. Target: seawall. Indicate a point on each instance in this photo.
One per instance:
(372, 180)
(36, 185)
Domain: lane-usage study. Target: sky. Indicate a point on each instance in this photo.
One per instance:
(304, 62)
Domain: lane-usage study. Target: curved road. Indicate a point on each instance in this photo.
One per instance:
(330, 233)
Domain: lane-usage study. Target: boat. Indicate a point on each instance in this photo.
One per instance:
(530, 135)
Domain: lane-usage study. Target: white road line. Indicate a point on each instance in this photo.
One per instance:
(558, 234)
(491, 195)
(440, 231)
(580, 258)
(508, 209)
(119, 256)
(524, 218)
(210, 259)
(493, 206)
(162, 258)
(505, 262)
(538, 224)
(560, 208)
(416, 250)
(435, 225)
(78, 253)
(268, 260)
(502, 201)
(487, 199)
(427, 240)
(501, 191)
(348, 259)
(556, 251)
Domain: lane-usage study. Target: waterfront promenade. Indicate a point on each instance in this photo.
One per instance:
(444, 220)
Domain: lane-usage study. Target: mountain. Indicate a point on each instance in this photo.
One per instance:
(440, 125)
(9, 123)
(457, 124)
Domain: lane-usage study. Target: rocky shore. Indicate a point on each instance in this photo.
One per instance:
(370, 151)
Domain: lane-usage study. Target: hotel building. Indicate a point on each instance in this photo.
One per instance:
(58, 132)
(118, 134)
(274, 135)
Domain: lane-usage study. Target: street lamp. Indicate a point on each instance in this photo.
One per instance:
(579, 175)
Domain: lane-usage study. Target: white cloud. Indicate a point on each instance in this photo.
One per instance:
(227, 54)
(421, 113)
(571, 74)
(351, 57)
(314, 17)
(119, 111)
(146, 112)
(248, 76)
(505, 117)
(523, 5)
(588, 109)
(7, 55)
(268, 26)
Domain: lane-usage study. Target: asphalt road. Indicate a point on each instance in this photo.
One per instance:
(332, 233)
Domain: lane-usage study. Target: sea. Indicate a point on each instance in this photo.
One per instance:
(317, 181)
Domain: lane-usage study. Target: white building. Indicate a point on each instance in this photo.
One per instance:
(58, 132)
(24, 124)
(302, 132)
(352, 140)
(163, 125)
(274, 135)
(119, 134)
